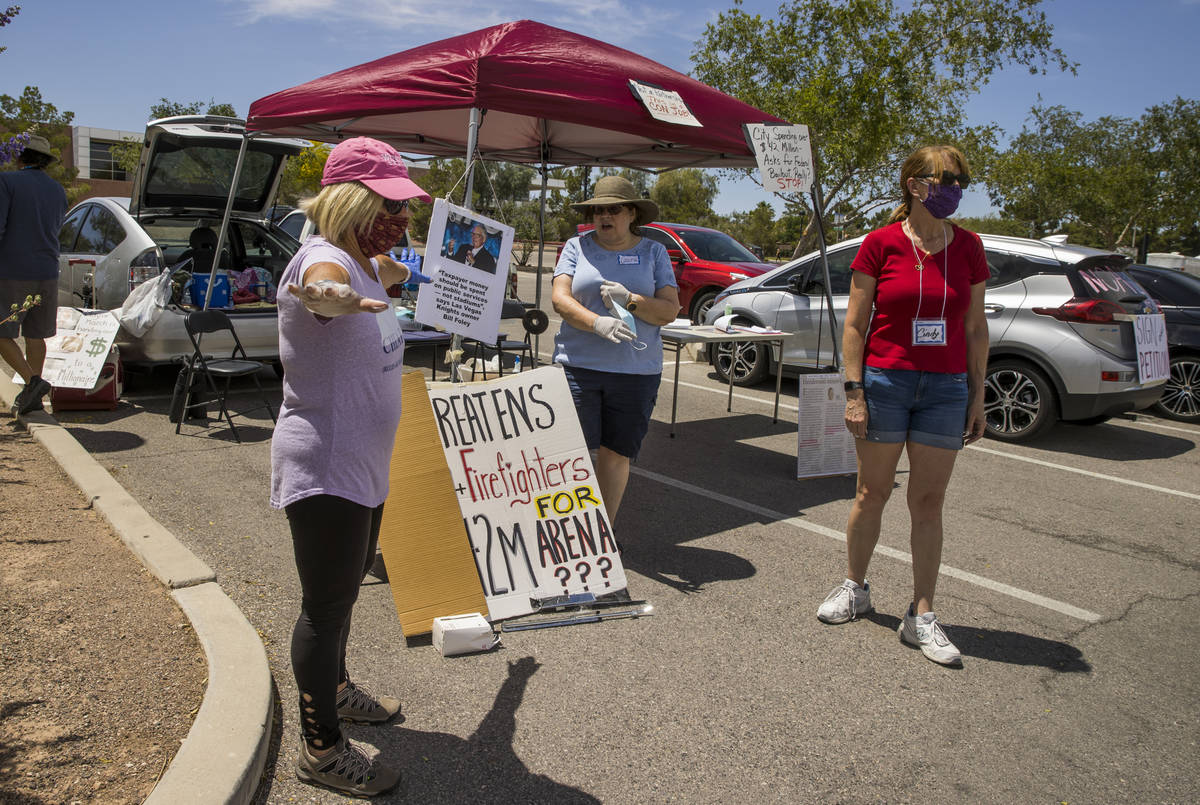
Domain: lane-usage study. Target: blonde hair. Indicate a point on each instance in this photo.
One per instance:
(343, 209)
(928, 161)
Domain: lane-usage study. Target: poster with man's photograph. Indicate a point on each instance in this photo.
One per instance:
(467, 255)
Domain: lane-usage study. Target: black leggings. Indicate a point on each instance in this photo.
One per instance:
(334, 541)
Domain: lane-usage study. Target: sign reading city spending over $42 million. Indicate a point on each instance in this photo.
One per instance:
(784, 155)
(527, 490)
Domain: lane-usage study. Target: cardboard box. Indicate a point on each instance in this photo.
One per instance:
(462, 634)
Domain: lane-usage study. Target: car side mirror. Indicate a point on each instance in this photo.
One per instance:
(795, 285)
(676, 255)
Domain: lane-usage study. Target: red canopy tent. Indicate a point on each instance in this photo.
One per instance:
(549, 96)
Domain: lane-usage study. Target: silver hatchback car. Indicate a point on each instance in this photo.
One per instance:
(1062, 342)
(108, 246)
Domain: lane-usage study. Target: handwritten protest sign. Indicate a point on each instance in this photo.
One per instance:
(784, 154)
(527, 490)
(1150, 336)
(75, 355)
(666, 105)
(467, 256)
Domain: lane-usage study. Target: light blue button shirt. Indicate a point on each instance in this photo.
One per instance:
(643, 269)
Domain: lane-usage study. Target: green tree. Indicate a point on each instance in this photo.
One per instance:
(873, 80)
(754, 228)
(1095, 181)
(127, 152)
(1172, 131)
(30, 113)
(685, 196)
(302, 174)
(168, 108)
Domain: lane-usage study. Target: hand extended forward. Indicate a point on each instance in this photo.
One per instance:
(330, 298)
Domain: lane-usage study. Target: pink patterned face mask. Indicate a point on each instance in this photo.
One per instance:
(385, 232)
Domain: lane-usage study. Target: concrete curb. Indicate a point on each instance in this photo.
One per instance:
(225, 751)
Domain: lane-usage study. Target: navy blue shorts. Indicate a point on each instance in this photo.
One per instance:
(614, 407)
(40, 321)
(908, 405)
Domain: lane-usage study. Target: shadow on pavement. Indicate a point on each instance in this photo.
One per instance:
(1112, 442)
(1001, 645)
(484, 768)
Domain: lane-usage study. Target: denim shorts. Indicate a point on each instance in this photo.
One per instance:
(909, 405)
(614, 407)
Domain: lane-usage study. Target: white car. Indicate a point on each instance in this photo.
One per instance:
(1060, 326)
(109, 246)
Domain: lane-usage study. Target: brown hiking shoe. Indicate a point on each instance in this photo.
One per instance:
(361, 705)
(347, 769)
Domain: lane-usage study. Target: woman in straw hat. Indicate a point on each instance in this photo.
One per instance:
(342, 353)
(613, 289)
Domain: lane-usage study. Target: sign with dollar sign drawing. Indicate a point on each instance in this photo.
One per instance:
(76, 354)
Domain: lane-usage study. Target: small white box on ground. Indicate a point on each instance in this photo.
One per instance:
(463, 634)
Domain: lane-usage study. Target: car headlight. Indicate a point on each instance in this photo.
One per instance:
(738, 276)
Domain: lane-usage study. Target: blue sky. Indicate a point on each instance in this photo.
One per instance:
(109, 62)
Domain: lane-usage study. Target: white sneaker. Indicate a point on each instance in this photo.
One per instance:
(924, 632)
(845, 603)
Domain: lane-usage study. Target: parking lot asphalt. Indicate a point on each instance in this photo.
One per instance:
(1071, 584)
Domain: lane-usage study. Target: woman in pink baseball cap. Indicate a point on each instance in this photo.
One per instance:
(342, 352)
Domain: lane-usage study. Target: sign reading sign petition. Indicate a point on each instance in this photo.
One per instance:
(666, 105)
(528, 494)
(784, 155)
(1150, 335)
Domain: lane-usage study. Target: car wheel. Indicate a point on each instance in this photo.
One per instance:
(702, 302)
(1180, 399)
(1018, 401)
(750, 361)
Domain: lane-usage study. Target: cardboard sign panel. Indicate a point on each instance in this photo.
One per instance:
(784, 154)
(424, 545)
(526, 488)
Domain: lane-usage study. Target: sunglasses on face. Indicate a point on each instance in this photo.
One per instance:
(948, 178)
(394, 207)
(611, 209)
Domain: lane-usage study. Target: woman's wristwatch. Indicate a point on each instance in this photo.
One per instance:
(853, 385)
(632, 306)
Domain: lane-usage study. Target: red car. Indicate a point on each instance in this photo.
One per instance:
(706, 261)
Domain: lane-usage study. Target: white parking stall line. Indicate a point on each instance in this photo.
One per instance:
(1114, 479)
(1157, 425)
(798, 522)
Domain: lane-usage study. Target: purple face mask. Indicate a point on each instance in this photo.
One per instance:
(942, 200)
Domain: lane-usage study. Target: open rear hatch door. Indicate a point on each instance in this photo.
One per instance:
(187, 166)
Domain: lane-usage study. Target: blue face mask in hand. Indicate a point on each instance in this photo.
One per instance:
(627, 317)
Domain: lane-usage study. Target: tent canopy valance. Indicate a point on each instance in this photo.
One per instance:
(548, 96)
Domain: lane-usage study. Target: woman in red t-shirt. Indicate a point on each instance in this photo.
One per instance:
(914, 380)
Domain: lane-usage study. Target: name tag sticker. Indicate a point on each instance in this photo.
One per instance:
(929, 332)
(629, 259)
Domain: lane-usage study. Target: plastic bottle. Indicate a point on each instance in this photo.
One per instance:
(728, 308)
(516, 364)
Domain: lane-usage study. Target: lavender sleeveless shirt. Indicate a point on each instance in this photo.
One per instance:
(341, 391)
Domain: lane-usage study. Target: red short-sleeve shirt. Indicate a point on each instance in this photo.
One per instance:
(902, 294)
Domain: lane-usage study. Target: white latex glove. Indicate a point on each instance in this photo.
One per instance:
(614, 292)
(613, 329)
(328, 298)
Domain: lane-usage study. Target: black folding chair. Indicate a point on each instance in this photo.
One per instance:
(236, 365)
(512, 309)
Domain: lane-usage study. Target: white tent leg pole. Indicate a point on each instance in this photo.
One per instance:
(472, 141)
